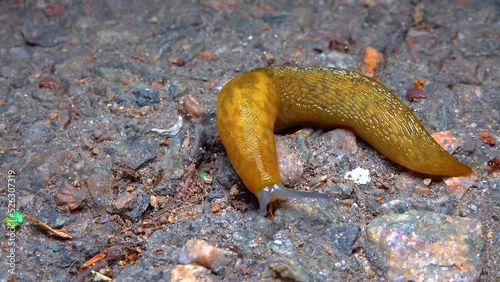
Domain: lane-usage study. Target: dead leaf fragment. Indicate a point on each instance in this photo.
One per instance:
(82, 80)
(61, 233)
(93, 260)
(100, 276)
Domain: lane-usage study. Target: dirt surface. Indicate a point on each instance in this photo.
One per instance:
(107, 134)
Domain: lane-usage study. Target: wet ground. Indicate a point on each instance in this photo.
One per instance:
(107, 136)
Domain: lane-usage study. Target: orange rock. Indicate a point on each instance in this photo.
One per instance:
(200, 252)
(446, 140)
(371, 58)
(487, 138)
(189, 273)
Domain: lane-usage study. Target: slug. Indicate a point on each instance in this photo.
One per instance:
(255, 104)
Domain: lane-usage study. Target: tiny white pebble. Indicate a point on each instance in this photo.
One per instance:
(358, 176)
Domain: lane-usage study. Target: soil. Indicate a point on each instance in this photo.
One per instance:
(109, 150)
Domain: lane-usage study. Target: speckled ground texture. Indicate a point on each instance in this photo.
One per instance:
(88, 87)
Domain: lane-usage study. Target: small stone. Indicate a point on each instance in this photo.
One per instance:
(343, 237)
(153, 201)
(208, 179)
(178, 86)
(458, 186)
(135, 151)
(49, 82)
(487, 138)
(132, 205)
(394, 206)
(189, 273)
(292, 269)
(69, 197)
(405, 181)
(339, 190)
(170, 219)
(425, 246)
(216, 208)
(100, 187)
(446, 140)
(123, 200)
(153, 20)
(146, 97)
(427, 181)
(39, 168)
(43, 34)
(358, 176)
(190, 108)
(415, 94)
(290, 164)
(339, 143)
(53, 10)
(202, 253)
(422, 190)
(234, 190)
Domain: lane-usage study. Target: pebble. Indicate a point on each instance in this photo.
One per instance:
(394, 206)
(292, 269)
(458, 186)
(146, 97)
(339, 190)
(190, 108)
(135, 151)
(343, 237)
(189, 273)
(132, 205)
(339, 142)
(43, 35)
(38, 168)
(358, 176)
(123, 200)
(290, 165)
(99, 185)
(203, 253)
(69, 197)
(426, 246)
(340, 60)
(179, 86)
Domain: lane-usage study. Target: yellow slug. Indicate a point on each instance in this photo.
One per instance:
(255, 104)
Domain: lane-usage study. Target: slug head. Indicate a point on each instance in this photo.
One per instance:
(277, 191)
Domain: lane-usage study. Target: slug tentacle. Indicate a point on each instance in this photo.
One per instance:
(256, 103)
(277, 191)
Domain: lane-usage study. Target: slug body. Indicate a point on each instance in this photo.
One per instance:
(255, 104)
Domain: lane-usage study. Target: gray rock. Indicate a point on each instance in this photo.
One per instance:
(343, 237)
(43, 35)
(146, 97)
